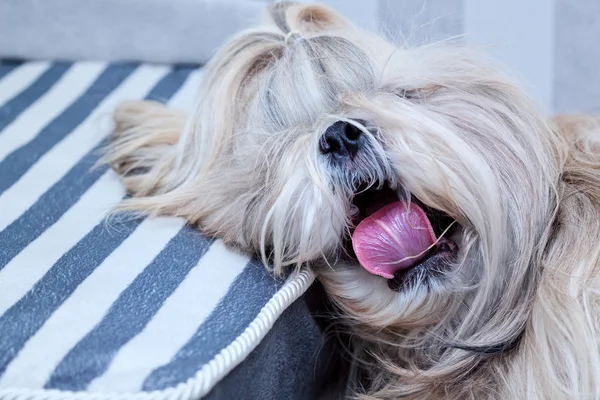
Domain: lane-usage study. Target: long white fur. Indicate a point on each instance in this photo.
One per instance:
(443, 125)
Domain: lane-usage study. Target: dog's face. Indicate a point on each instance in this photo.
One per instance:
(418, 181)
(420, 184)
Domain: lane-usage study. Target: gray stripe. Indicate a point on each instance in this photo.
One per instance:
(130, 313)
(49, 208)
(235, 311)
(7, 66)
(19, 161)
(15, 106)
(22, 320)
(167, 86)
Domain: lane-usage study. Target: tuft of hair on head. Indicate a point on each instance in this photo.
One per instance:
(306, 19)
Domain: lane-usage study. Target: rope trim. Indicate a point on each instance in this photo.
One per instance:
(211, 373)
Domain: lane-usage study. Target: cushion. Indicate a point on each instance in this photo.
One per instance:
(105, 308)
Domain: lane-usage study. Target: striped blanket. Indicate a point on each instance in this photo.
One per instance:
(119, 308)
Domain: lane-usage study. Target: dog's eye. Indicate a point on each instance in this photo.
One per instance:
(418, 94)
(408, 93)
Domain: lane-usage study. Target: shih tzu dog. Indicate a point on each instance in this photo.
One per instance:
(455, 228)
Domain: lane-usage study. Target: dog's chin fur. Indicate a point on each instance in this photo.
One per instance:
(515, 315)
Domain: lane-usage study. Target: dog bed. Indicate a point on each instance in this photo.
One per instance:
(121, 308)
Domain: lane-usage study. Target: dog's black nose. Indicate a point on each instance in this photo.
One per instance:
(341, 140)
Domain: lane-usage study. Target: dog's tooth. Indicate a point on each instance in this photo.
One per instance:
(354, 211)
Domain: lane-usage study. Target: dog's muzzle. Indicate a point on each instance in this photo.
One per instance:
(341, 141)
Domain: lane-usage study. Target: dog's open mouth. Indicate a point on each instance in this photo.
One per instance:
(393, 237)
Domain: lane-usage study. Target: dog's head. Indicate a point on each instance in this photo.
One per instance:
(420, 183)
(417, 180)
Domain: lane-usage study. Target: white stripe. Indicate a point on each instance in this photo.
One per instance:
(88, 303)
(31, 121)
(522, 33)
(64, 155)
(176, 321)
(20, 78)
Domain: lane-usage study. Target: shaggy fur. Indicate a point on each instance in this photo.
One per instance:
(517, 314)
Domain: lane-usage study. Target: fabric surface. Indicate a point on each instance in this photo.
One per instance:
(292, 362)
(117, 305)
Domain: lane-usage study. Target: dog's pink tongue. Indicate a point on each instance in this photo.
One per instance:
(394, 238)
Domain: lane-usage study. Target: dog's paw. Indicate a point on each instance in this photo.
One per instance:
(142, 146)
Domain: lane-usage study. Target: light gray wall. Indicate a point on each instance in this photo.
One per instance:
(160, 31)
(521, 35)
(550, 45)
(417, 21)
(577, 56)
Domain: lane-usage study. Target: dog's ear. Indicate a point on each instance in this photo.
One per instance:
(577, 221)
(577, 127)
(570, 268)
